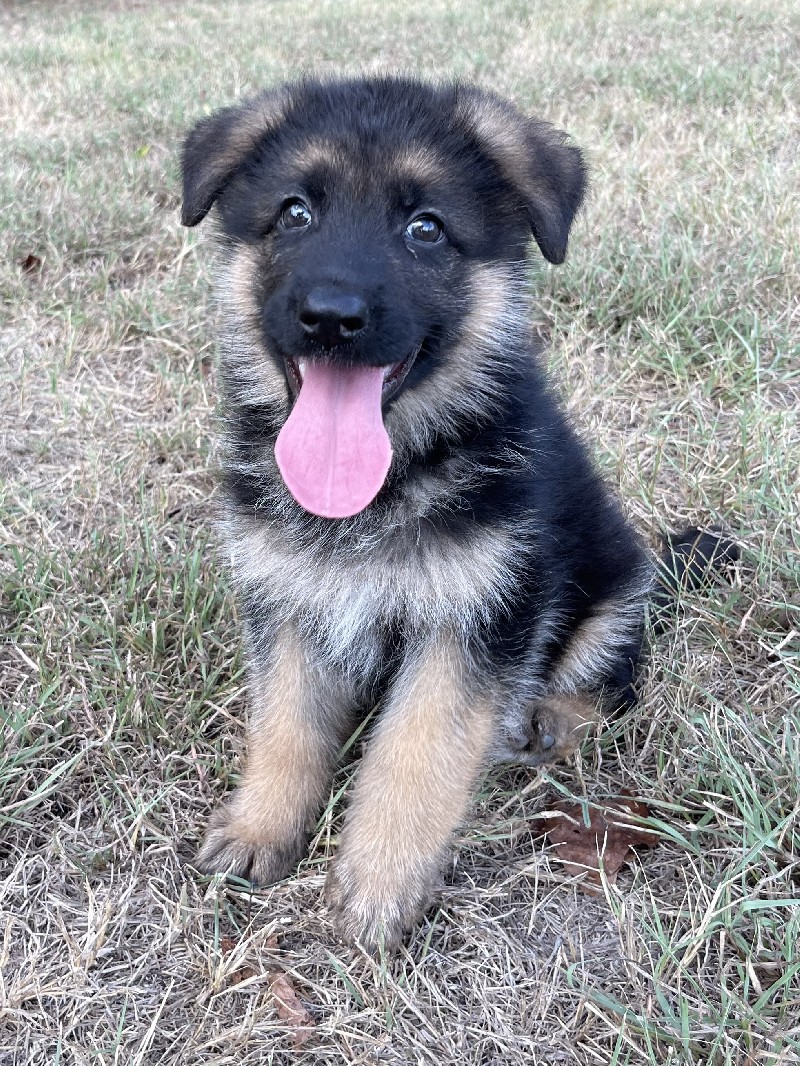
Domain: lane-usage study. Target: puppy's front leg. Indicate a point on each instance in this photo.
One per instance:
(299, 716)
(413, 789)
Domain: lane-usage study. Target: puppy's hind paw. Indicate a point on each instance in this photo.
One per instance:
(559, 724)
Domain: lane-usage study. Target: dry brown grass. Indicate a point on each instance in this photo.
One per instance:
(674, 330)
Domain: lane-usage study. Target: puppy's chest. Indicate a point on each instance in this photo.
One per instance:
(348, 595)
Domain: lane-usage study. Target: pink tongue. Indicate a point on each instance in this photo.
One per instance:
(333, 451)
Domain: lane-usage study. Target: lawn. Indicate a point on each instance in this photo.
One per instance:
(673, 335)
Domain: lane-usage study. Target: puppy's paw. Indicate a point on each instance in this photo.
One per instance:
(559, 725)
(374, 906)
(233, 845)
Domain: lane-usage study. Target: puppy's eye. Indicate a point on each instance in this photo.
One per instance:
(295, 215)
(426, 229)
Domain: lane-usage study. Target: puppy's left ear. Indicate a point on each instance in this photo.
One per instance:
(218, 146)
(539, 160)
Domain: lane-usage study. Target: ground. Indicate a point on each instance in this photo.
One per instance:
(673, 336)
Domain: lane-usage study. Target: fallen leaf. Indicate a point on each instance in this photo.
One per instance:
(244, 973)
(31, 264)
(605, 843)
(287, 1002)
(290, 1008)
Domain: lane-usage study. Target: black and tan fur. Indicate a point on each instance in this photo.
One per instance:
(490, 600)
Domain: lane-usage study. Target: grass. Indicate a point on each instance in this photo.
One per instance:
(673, 334)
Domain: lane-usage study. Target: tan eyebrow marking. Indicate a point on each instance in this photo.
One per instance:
(419, 162)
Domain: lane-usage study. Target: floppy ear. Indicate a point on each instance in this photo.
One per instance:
(547, 170)
(218, 145)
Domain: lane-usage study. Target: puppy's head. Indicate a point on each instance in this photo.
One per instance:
(378, 231)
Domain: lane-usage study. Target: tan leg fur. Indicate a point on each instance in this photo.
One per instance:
(297, 722)
(413, 790)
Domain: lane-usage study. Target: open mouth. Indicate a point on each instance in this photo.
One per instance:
(393, 375)
(333, 451)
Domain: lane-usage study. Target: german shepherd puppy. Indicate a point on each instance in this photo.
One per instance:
(411, 522)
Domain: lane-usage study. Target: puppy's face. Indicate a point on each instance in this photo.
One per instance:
(365, 248)
(378, 230)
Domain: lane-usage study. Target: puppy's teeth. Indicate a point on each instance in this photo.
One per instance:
(301, 366)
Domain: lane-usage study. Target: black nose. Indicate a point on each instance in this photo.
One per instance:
(332, 316)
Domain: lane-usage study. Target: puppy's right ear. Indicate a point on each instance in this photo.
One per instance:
(218, 145)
